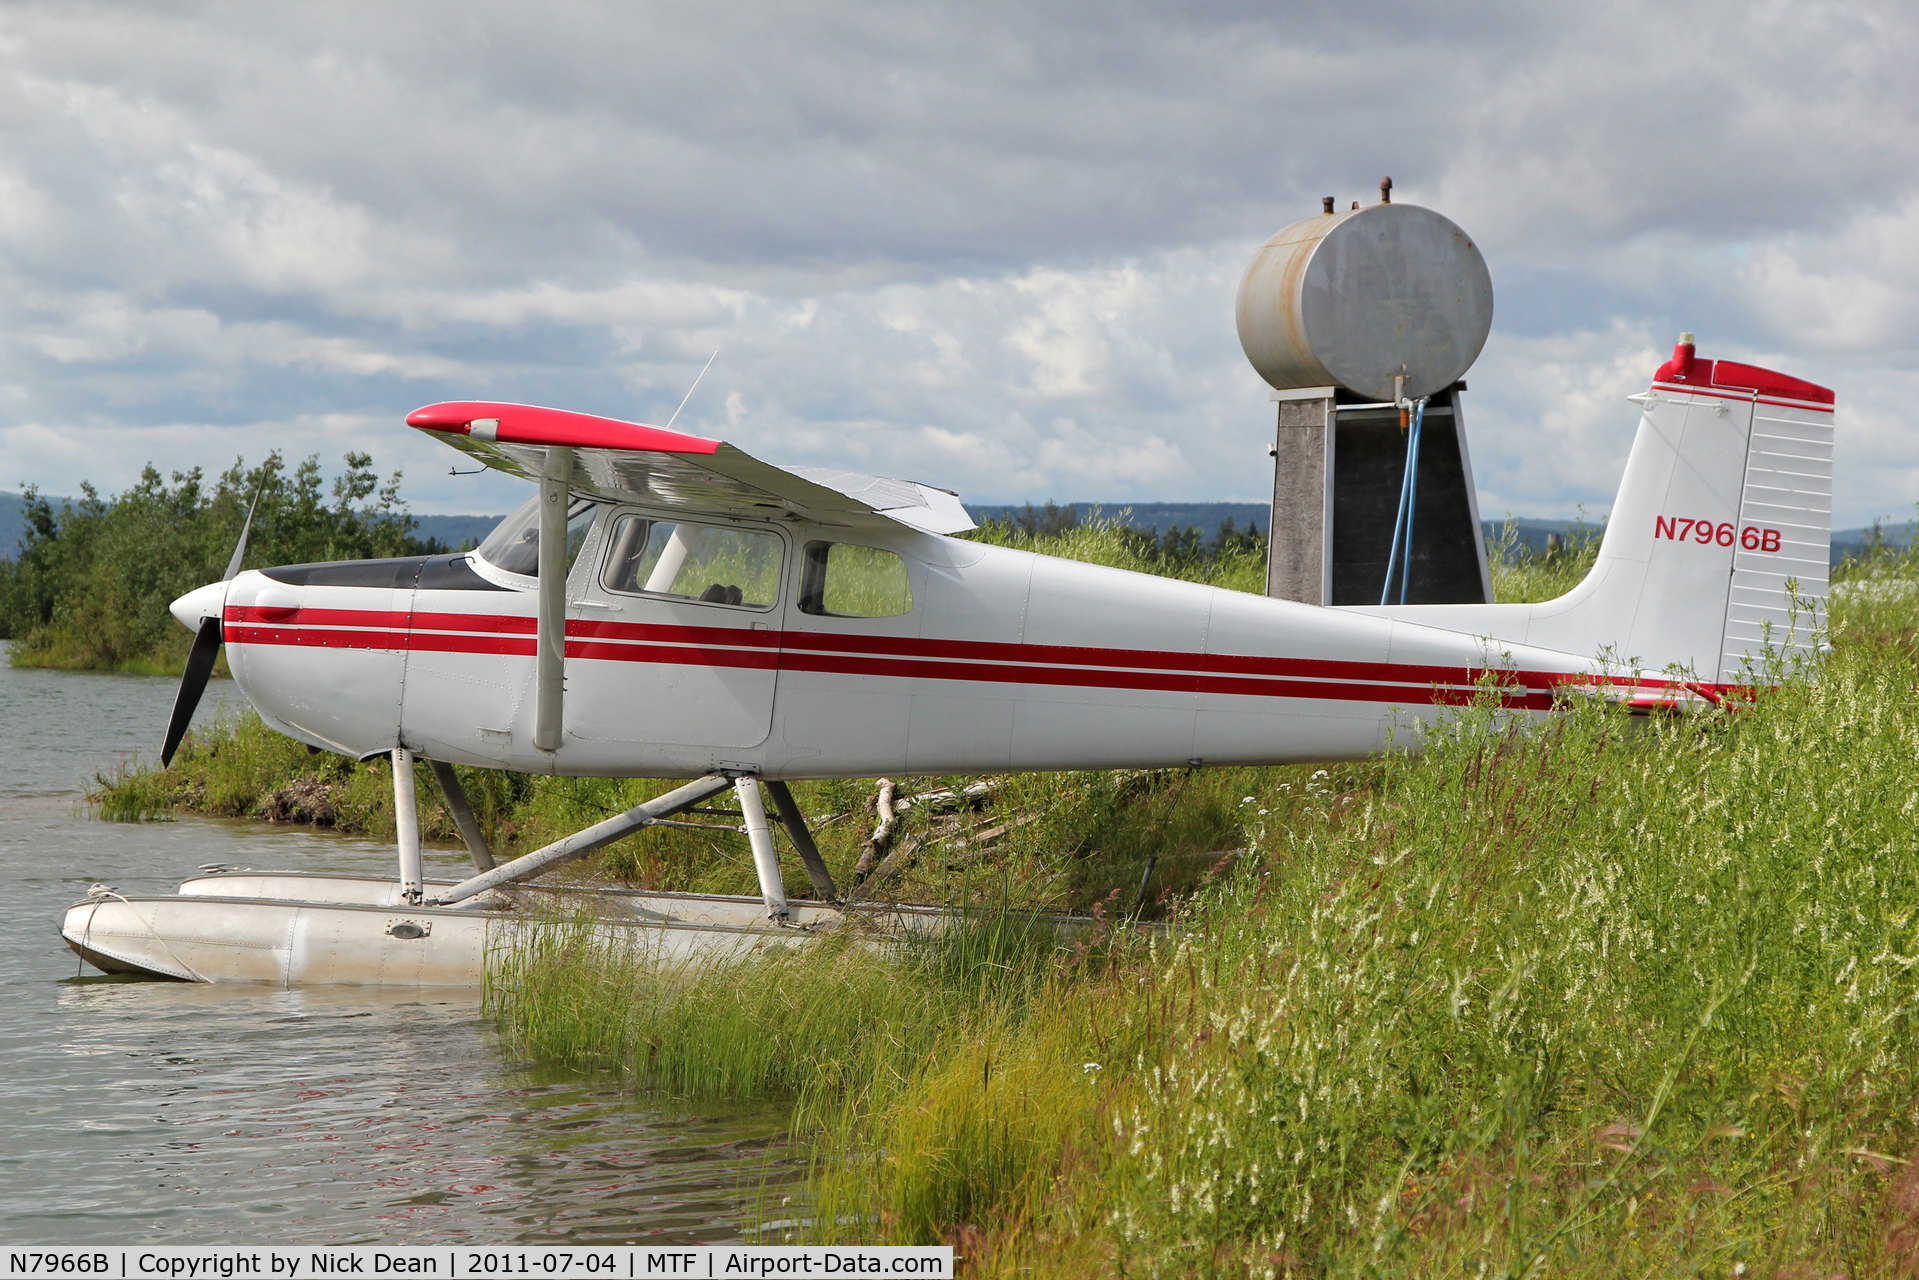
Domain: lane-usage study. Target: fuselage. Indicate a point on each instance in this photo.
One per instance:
(989, 659)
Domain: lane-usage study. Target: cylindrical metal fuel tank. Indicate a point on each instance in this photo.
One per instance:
(1359, 298)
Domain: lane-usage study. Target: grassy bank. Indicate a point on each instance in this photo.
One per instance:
(1609, 997)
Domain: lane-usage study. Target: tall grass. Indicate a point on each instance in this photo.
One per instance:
(232, 767)
(1522, 575)
(1582, 999)
(1602, 996)
(1108, 541)
(778, 1022)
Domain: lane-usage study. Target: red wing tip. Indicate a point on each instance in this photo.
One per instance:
(440, 417)
(534, 425)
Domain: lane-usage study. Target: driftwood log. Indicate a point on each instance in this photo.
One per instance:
(882, 837)
(947, 800)
(893, 861)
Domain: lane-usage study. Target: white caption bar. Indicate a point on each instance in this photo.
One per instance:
(622, 1262)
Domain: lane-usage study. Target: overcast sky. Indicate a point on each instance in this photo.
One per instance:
(992, 247)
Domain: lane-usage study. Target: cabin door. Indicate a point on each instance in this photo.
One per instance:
(672, 641)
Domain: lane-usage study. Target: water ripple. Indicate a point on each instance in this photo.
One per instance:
(185, 1114)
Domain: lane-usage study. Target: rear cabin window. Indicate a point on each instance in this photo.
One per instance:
(514, 544)
(844, 580)
(708, 563)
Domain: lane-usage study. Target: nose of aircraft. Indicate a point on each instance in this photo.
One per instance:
(201, 602)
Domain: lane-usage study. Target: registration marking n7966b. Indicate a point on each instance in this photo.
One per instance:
(1688, 529)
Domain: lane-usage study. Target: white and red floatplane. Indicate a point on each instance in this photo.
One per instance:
(668, 606)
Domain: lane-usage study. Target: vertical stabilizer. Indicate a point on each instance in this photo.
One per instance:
(1718, 544)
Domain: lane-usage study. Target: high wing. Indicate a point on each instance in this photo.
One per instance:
(629, 462)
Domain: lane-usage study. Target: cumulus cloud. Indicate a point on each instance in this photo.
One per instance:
(993, 246)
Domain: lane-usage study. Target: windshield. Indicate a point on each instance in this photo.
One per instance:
(514, 544)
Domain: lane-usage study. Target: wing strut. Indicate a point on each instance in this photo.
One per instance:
(555, 493)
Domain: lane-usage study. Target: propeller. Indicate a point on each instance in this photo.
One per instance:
(205, 650)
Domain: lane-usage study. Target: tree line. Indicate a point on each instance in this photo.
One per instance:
(91, 582)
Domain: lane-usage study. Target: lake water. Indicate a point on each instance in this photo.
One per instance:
(174, 1113)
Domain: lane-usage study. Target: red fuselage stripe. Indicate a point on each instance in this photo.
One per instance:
(793, 643)
(903, 658)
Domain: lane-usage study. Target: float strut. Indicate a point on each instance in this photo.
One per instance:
(760, 836)
(581, 843)
(795, 824)
(406, 816)
(457, 804)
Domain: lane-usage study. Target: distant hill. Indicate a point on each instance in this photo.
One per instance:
(13, 523)
(1898, 535)
(455, 531)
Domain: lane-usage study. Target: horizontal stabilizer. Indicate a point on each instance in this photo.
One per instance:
(618, 461)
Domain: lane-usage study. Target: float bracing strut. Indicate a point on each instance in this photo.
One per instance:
(795, 824)
(581, 843)
(462, 810)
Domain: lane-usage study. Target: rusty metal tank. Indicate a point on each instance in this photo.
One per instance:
(1359, 298)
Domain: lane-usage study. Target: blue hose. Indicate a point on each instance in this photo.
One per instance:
(1401, 556)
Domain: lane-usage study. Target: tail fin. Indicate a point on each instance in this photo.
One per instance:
(1719, 540)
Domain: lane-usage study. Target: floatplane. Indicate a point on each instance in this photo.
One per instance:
(668, 606)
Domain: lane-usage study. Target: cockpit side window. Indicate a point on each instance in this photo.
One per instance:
(514, 544)
(845, 580)
(712, 564)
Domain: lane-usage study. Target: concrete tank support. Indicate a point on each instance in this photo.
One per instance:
(1337, 465)
(1297, 547)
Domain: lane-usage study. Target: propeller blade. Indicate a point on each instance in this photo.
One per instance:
(205, 650)
(240, 550)
(200, 658)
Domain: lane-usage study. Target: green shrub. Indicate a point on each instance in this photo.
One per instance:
(92, 582)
